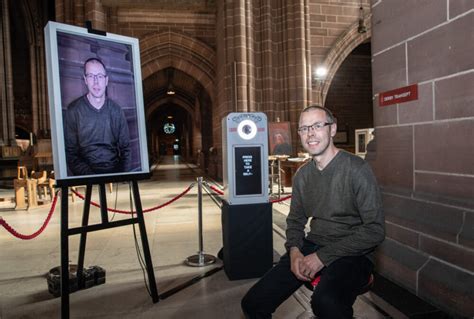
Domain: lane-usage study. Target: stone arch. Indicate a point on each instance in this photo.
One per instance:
(347, 42)
(157, 103)
(189, 55)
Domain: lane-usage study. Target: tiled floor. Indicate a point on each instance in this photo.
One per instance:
(173, 236)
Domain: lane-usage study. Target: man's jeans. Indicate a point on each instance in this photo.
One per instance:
(332, 298)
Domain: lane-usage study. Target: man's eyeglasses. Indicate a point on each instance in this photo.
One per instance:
(95, 77)
(315, 127)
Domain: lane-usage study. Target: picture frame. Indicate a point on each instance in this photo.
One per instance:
(67, 49)
(279, 138)
(362, 138)
(341, 137)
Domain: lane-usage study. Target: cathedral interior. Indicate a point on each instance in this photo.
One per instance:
(198, 61)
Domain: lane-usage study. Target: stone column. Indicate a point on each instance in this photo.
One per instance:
(250, 52)
(3, 98)
(240, 56)
(79, 13)
(294, 61)
(34, 17)
(268, 94)
(7, 135)
(95, 12)
(299, 52)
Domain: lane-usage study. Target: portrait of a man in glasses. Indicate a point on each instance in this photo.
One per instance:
(96, 134)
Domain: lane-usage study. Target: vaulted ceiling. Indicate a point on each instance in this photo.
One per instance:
(203, 6)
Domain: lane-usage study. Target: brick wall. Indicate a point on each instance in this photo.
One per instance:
(425, 148)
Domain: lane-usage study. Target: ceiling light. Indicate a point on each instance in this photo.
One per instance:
(321, 72)
(361, 28)
(170, 90)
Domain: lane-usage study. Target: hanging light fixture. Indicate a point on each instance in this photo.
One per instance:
(361, 28)
(170, 90)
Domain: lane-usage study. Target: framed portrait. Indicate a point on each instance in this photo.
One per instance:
(340, 137)
(96, 105)
(362, 138)
(280, 138)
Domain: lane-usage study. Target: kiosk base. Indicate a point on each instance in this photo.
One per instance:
(248, 241)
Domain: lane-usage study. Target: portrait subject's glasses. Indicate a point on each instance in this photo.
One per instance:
(95, 77)
(315, 127)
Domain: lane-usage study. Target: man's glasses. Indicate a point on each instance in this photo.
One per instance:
(303, 130)
(95, 77)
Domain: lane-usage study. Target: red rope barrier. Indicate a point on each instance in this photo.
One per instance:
(35, 234)
(215, 189)
(218, 191)
(280, 199)
(145, 210)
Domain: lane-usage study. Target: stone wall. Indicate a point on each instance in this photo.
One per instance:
(425, 148)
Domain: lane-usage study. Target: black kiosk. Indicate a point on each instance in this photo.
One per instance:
(246, 212)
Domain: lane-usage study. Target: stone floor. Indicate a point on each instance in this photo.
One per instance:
(173, 236)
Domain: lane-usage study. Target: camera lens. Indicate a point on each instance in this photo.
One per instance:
(247, 129)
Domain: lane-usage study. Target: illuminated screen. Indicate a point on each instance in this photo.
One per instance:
(248, 170)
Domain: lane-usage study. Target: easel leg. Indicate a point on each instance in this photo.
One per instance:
(64, 254)
(103, 203)
(146, 248)
(82, 244)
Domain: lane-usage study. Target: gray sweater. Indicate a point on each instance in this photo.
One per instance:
(345, 205)
(96, 141)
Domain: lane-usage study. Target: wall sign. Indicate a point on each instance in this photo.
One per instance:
(400, 95)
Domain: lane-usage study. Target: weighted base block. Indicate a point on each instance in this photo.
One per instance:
(248, 242)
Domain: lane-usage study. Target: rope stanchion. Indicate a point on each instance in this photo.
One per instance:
(201, 259)
(119, 211)
(15, 233)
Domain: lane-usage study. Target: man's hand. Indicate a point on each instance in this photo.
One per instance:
(311, 265)
(297, 258)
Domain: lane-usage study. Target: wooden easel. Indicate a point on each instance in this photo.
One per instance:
(85, 228)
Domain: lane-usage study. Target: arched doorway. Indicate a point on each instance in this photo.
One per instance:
(349, 95)
(179, 76)
(178, 111)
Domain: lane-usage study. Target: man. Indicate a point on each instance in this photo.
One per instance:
(96, 133)
(338, 191)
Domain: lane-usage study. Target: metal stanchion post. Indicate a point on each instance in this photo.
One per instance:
(272, 171)
(201, 259)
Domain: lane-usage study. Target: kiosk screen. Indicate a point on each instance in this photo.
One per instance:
(248, 171)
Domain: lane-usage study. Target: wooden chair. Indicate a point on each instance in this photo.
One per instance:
(23, 184)
(45, 184)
